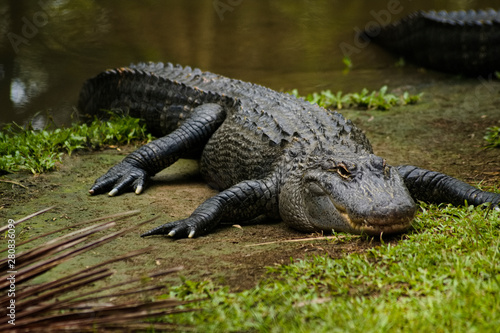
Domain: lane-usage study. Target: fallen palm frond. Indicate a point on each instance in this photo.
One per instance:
(61, 304)
(115, 217)
(2, 229)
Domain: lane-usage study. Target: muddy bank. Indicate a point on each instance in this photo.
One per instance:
(444, 132)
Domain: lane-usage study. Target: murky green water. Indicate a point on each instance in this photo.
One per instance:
(48, 48)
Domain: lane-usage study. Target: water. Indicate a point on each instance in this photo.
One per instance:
(48, 48)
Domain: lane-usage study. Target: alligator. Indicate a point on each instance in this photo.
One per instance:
(457, 42)
(269, 154)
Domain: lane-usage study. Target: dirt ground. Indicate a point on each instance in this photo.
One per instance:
(444, 132)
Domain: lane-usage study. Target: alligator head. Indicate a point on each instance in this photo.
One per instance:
(346, 192)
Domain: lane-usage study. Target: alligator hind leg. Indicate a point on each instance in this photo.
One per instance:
(243, 201)
(435, 187)
(134, 171)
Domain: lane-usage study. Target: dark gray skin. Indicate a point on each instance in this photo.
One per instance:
(268, 153)
(457, 42)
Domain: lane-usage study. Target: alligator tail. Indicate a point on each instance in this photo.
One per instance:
(435, 187)
(162, 103)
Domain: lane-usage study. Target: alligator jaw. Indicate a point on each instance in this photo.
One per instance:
(364, 227)
(377, 226)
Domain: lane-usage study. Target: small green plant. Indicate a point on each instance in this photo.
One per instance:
(39, 151)
(380, 100)
(492, 137)
(347, 62)
(400, 63)
(411, 99)
(348, 65)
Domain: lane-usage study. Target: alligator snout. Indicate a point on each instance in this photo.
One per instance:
(394, 218)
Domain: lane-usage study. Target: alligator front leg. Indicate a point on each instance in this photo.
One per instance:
(435, 187)
(134, 171)
(243, 201)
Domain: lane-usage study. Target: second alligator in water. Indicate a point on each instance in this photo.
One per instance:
(268, 153)
(455, 42)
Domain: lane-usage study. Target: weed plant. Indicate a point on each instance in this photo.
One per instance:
(39, 151)
(492, 137)
(379, 100)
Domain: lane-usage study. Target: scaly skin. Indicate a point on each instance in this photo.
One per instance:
(455, 42)
(268, 153)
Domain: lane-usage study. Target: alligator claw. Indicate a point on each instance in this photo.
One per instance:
(177, 229)
(138, 189)
(113, 192)
(118, 179)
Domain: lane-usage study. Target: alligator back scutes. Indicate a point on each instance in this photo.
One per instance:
(471, 17)
(275, 116)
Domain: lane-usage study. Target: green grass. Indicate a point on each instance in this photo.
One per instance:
(379, 100)
(443, 276)
(492, 137)
(39, 151)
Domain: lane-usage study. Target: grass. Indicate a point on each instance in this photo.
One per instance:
(492, 137)
(38, 151)
(443, 276)
(379, 100)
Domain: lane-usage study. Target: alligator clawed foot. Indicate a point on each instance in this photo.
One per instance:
(177, 229)
(120, 178)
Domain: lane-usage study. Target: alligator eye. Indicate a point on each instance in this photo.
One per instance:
(343, 171)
